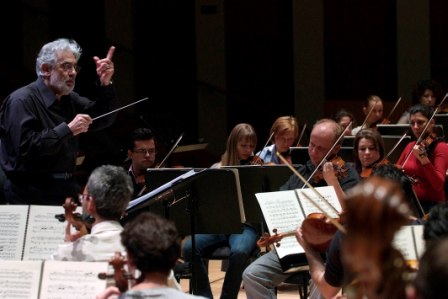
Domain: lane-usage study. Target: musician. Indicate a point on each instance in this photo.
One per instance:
(142, 153)
(426, 162)
(284, 131)
(40, 125)
(239, 151)
(373, 110)
(343, 118)
(264, 274)
(368, 149)
(425, 92)
(432, 275)
(105, 198)
(328, 278)
(153, 246)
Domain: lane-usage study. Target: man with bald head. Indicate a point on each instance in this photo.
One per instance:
(263, 275)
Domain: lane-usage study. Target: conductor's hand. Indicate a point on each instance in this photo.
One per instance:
(105, 67)
(80, 124)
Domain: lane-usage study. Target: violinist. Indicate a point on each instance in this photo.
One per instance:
(373, 110)
(239, 151)
(344, 118)
(284, 131)
(426, 162)
(328, 277)
(368, 150)
(425, 92)
(152, 245)
(105, 198)
(265, 273)
(142, 154)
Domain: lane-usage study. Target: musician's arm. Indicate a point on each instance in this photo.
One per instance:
(317, 268)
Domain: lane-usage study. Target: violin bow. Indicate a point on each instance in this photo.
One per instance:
(301, 133)
(118, 109)
(311, 187)
(368, 115)
(328, 153)
(163, 161)
(395, 146)
(393, 109)
(420, 138)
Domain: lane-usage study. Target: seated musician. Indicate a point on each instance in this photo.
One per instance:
(153, 246)
(142, 153)
(373, 110)
(239, 151)
(432, 274)
(373, 268)
(368, 150)
(425, 92)
(284, 131)
(105, 198)
(328, 277)
(343, 118)
(264, 274)
(427, 161)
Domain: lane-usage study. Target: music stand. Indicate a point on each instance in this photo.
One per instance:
(255, 179)
(442, 119)
(190, 200)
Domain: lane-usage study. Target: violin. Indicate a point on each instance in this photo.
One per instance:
(255, 160)
(339, 167)
(266, 239)
(123, 279)
(366, 172)
(425, 143)
(80, 223)
(318, 231)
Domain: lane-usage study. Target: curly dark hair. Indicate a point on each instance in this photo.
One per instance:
(152, 243)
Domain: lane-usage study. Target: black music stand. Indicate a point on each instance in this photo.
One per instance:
(190, 203)
(442, 119)
(255, 179)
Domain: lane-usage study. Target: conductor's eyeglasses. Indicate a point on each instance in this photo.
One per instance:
(67, 66)
(144, 151)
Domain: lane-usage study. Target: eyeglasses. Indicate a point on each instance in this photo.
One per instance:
(82, 197)
(67, 66)
(144, 151)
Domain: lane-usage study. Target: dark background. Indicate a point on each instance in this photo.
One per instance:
(360, 57)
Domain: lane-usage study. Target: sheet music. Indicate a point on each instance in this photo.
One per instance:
(13, 219)
(282, 211)
(328, 193)
(44, 232)
(20, 279)
(409, 241)
(74, 280)
(160, 189)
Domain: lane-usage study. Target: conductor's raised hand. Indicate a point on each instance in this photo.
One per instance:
(80, 124)
(105, 67)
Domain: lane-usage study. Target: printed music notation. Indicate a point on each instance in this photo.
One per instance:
(30, 232)
(51, 279)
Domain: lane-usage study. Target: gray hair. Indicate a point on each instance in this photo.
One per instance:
(111, 188)
(47, 55)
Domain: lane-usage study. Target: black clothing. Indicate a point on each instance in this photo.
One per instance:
(38, 149)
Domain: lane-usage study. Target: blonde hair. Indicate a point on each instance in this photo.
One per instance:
(240, 132)
(285, 124)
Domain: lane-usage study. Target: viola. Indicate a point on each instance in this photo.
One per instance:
(339, 167)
